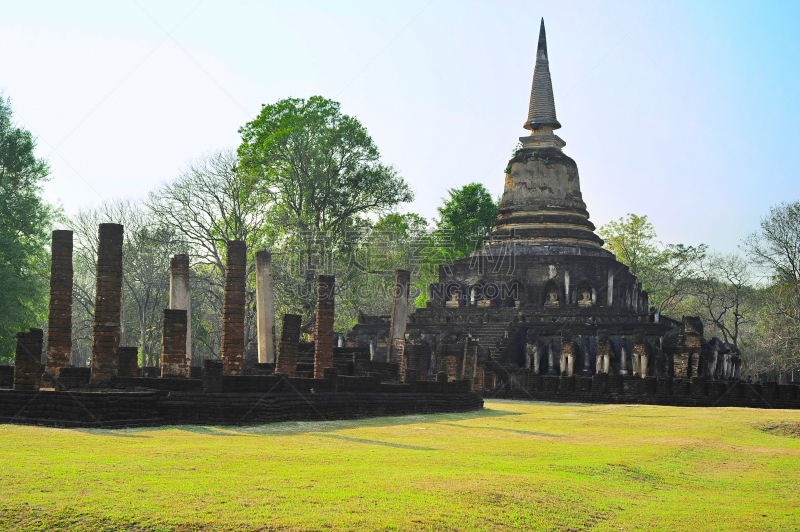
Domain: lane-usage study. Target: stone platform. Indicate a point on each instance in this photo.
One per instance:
(245, 400)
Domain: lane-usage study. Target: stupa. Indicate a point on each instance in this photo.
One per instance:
(541, 296)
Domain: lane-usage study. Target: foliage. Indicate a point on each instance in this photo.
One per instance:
(662, 269)
(24, 223)
(775, 248)
(465, 218)
(724, 296)
(776, 245)
(147, 247)
(321, 166)
(511, 466)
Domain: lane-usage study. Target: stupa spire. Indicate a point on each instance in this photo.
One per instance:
(542, 109)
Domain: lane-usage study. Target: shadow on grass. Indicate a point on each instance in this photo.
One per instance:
(515, 431)
(377, 442)
(286, 428)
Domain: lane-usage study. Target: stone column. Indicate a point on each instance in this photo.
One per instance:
(587, 344)
(59, 319)
(532, 351)
(180, 297)
(567, 354)
(28, 360)
(397, 340)
(602, 352)
(640, 354)
(323, 332)
(232, 351)
(173, 344)
(551, 360)
(286, 361)
(107, 304)
(470, 359)
(265, 307)
(623, 361)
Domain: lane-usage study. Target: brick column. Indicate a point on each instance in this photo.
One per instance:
(107, 304)
(286, 361)
(397, 340)
(173, 344)
(59, 319)
(180, 296)
(265, 307)
(232, 351)
(28, 360)
(323, 333)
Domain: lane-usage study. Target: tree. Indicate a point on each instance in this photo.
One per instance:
(724, 295)
(148, 245)
(633, 240)
(25, 220)
(209, 204)
(664, 270)
(775, 247)
(321, 166)
(323, 173)
(466, 216)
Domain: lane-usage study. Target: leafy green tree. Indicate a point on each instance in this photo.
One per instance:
(633, 240)
(324, 178)
(24, 223)
(665, 271)
(466, 217)
(321, 166)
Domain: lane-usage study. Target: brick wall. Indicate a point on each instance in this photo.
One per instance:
(108, 297)
(59, 319)
(323, 335)
(232, 350)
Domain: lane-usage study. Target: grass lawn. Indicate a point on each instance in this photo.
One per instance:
(512, 466)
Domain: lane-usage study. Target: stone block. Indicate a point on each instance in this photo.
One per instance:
(28, 360)
(698, 386)
(212, 376)
(664, 386)
(615, 384)
(648, 386)
(769, 391)
(583, 385)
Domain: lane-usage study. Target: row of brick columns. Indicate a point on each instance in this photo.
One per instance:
(108, 357)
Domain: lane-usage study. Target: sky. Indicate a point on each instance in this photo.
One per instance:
(684, 111)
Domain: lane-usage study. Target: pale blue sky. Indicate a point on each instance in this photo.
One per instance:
(686, 111)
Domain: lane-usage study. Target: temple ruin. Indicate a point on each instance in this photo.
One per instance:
(540, 311)
(542, 299)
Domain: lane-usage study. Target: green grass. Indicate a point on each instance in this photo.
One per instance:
(512, 466)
